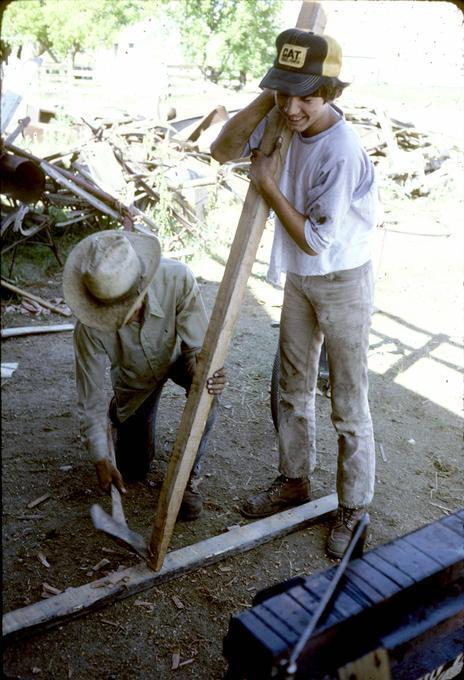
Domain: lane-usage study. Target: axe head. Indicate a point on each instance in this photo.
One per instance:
(132, 540)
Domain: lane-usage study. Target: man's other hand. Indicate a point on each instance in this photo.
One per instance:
(215, 384)
(107, 474)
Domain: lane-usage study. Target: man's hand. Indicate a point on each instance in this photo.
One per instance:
(264, 168)
(107, 474)
(215, 384)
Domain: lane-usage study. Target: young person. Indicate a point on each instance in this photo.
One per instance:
(324, 206)
(145, 314)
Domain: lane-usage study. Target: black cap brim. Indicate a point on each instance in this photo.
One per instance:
(290, 83)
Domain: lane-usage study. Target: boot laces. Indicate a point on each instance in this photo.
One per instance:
(348, 516)
(277, 486)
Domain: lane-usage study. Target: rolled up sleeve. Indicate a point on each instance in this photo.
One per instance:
(256, 137)
(328, 204)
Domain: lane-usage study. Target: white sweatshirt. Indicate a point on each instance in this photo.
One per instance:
(330, 179)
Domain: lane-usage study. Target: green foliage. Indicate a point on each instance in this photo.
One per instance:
(25, 20)
(69, 26)
(162, 214)
(57, 214)
(31, 260)
(226, 38)
(229, 38)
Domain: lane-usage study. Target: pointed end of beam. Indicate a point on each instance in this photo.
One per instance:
(156, 562)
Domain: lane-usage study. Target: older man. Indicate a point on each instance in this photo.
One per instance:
(145, 315)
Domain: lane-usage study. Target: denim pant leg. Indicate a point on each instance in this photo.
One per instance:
(300, 346)
(344, 305)
(181, 375)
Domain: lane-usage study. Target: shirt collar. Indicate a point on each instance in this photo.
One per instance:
(329, 131)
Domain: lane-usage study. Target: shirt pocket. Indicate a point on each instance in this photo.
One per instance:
(158, 342)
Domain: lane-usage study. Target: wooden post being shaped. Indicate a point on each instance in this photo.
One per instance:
(226, 309)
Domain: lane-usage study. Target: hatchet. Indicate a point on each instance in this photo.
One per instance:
(115, 525)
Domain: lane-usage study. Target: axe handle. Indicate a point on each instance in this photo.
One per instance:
(116, 503)
(116, 506)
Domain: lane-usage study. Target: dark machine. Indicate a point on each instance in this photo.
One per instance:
(21, 178)
(396, 611)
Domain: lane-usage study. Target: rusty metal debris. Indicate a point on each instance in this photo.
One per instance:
(121, 176)
(21, 178)
(132, 169)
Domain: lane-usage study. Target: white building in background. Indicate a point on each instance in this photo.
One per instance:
(136, 67)
(130, 76)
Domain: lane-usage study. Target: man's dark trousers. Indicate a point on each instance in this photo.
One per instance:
(135, 437)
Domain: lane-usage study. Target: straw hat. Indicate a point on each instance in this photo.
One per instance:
(106, 276)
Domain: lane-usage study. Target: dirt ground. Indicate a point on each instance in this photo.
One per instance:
(415, 393)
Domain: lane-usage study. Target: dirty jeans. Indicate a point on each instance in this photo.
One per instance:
(336, 307)
(135, 436)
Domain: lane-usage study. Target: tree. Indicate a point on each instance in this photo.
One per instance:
(66, 27)
(228, 38)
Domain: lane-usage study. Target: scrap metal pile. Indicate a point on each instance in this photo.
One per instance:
(120, 176)
(410, 162)
(144, 174)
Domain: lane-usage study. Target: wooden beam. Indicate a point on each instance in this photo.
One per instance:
(30, 296)
(375, 665)
(312, 17)
(75, 602)
(211, 358)
(35, 330)
(225, 313)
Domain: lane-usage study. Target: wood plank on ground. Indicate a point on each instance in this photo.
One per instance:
(75, 602)
(35, 330)
(219, 333)
(64, 311)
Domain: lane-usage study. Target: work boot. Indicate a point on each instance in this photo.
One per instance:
(283, 493)
(192, 502)
(342, 530)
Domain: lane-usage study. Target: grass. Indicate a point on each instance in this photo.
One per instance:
(30, 262)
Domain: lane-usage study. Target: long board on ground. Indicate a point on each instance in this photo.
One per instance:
(75, 602)
(224, 316)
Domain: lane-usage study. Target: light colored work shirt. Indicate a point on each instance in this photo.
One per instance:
(139, 354)
(330, 179)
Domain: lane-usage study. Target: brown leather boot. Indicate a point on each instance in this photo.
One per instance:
(283, 493)
(342, 530)
(192, 502)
